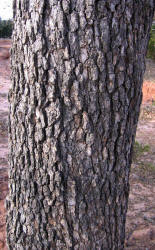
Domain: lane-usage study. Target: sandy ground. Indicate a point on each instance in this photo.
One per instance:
(140, 226)
(4, 87)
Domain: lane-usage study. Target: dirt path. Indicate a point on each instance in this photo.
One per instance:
(140, 227)
(4, 87)
(141, 211)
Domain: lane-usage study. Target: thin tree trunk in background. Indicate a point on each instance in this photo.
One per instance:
(77, 73)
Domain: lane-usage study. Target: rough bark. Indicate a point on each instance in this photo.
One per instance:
(77, 72)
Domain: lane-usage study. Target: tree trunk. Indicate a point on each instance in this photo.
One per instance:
(77, 72)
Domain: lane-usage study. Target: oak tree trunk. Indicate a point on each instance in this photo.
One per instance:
(77, 73)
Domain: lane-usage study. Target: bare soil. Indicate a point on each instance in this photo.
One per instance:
(4, 88)
(140, 226)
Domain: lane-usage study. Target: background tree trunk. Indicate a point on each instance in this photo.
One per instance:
(77, 72)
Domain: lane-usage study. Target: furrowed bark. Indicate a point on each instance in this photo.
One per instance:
(77, 72)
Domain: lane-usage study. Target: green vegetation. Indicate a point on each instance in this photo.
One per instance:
(6, 28)
(153, 103)
(149, 166)
(151, 46)
(147, 111)
(147, 169)
(139, 149)
(144, 167)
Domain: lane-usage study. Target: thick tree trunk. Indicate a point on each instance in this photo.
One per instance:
(77, 72)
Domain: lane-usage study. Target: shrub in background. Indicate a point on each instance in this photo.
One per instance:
(6, 27)
(151, 46)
